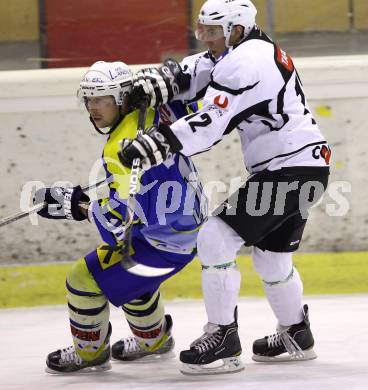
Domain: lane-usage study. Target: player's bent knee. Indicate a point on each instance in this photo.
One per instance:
(274, 268)
(217, 243)
(143, 312)
(82, 289)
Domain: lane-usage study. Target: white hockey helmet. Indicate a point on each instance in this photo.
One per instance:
(106, 79)
(226, 13)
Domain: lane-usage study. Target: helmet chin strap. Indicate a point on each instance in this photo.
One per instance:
(112, 128)
(97, 129)
(230, 28)
(227, 39)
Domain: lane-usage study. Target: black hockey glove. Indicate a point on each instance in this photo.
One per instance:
(160, 84)
(155, 146)
(62, 203)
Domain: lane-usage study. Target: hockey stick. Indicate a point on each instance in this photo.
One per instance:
(12, 218)
(127, 262)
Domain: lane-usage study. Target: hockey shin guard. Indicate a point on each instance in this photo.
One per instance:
(146, 318)
(220, 292)
(218, 245)
(88, 312)
(282, 285)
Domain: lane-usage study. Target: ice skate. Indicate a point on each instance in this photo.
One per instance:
(66, 360)
(216, 352)
(129, 349)
(292, 344)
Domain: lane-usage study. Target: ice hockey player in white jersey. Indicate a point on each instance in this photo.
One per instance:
(248, 84)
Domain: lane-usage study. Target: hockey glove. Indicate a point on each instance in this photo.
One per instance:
(62, 203)
(155, 146)
(161, 84)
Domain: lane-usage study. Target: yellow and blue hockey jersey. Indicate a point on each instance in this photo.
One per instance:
(170, 204)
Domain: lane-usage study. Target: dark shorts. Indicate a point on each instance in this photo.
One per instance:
(271, 209)
(121, 286)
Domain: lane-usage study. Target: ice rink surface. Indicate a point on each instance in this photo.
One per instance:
(339, 325)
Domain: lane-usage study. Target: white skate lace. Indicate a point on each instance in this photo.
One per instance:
(283, 338)
(68, 355)
(131, 345)
(208, 329)
(208, 341)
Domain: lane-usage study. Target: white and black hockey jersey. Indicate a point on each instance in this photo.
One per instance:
(255, 89)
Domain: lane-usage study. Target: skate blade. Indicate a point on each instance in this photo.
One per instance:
(148, 358)
(87, 370)
(308, 354)
(222, 366)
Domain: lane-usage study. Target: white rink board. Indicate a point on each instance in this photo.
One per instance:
(338, 323)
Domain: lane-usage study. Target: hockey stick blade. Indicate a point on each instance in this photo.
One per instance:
(131, 266)
(143, 270)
